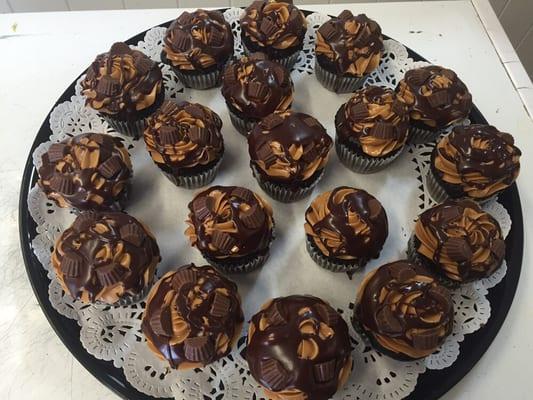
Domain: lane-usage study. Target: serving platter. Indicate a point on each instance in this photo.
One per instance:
(431, 384)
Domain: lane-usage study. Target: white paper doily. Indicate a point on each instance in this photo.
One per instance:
(113, 334)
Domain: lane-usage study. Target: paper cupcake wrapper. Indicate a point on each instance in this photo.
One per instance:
(235, 267)
(282, 193)
(435, 190)
(288, 62)
(132, 129)
(329, 264)
(194, 181)
(200, 81)
(420, 136)
(243, 126)
(336, 83)
(362, 164)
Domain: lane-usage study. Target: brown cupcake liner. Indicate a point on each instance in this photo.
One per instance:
(435, 190)
(288, 61)
(328, 263)
(362, 164)
(132, 129)
(200, 81)
(244, 126)
(338, 83)
(236, 266)
(419, 135)
(194, 181)
(282, 193)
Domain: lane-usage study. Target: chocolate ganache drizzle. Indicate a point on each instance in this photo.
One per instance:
(299, 348)
(404, 310)
(193, 317)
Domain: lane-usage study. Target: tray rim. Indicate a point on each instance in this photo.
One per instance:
(104, 371)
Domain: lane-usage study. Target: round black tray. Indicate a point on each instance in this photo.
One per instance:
(431, 384)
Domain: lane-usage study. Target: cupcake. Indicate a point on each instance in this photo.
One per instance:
(232, 227)
(124, 86)
(437, 99)
(193, 317)
(106, 257)
(91, 171)
(197, 46)
(348, 48)
(288, 153)
(255, 87)
(403, 310)
(299, 348)
(459, 241)
(475, 161)
(276, 28)
(185, 142)
(345, 228)
(371, 129)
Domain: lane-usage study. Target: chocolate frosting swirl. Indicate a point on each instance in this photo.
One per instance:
(229, 222)
(122, 81)
(256, 87)
(193, 317)
(90, 171)
(289, 147)
(349, 45)
(299, 348)
(477, 161)
(273, 25)
(460, 240)
(198, 40)
(182, 136)
(436, 97)
(373, 120)
(347, 224)
(104, 257)
(404, 310)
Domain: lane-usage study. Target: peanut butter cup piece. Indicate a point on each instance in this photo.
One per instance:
(202, 207)
(62, 184)
(328, 31)
(199, 135)
(268, 27)
(426, 340)
(195, 111)
(120, 48)
(161, 322)
(182, 41)
(220, 305)
(257, 90)
(498, 248)
(132, 233)
(84, 221)
(449, 214)
(169, 135)
(242, 193)
(458, 249)
(110, 274)
(273, 374)
(327, 314)
(199, 349)
(418, 76)
(110, 167)
(387, 321)
(229, 75)
(254, 217)
(183, 276)
(438, 99)
(185, 18)
(358, 111)
(108, 86)
(345, 14)
(324, 372)
(265, 154)
(71, 264)
(275, 314)
(271, 121)
(441, 294)
(383, 130)
(143, 65)
(216, 37)
(56, 152)
(222, 240)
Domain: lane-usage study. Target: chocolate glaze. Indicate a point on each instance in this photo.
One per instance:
(102, 250)
(444, 106)
(182, 136)
(216, 312)
(255, 87)
(69, 177)
(497, 160)
(203, 38)
(285, 130)
(363, 246)
(273, 28)
(120, 81)
(272, 352)
(461, 239)
(356, 120)
(416, 310)
(346, 45)
(248, 215)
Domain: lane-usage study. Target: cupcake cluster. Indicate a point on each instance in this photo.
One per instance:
(297, 346)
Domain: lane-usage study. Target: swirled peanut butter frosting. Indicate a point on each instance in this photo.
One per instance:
(374, 121)
(347, 224)
(476, 161)
(193, 317)
(122, 81)
(104, 257)
(404, 310)
(289, 147)
(277, 25)
(299, 348)
(198, 41)
(229, 222)
(436, 96)
(460, 240)
(256, 87)
(90, 171)
(349, 44)
(182, 136)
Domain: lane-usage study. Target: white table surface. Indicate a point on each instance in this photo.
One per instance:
(47, 51)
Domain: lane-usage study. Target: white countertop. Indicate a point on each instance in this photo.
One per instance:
(47, 51)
